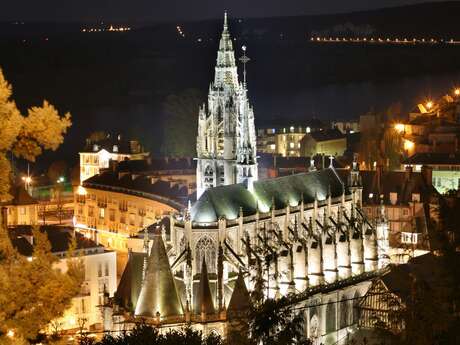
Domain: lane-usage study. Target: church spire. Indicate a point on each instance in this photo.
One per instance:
(228, 156)
(226, 70)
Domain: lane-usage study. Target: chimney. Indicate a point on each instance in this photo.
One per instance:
(408, 172)
(427, 174)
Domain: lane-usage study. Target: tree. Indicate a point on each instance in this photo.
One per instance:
(181, 123)
(148, 335)
(393, 147)
(97, 136)
(33, 292)
(56, 170)
(275, 322)
(26, 136)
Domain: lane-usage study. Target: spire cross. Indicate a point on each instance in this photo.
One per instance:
(225, 21)
(244, 59)
(331, 161)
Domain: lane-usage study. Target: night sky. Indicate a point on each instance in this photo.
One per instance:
(161, 10)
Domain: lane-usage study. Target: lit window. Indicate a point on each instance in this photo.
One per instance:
(131, 219)
(272, 146)
(409, 238)
(308, 130)
(393, 198)
(291, 145)
(101, 213)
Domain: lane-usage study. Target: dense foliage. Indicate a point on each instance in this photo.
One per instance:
(181, 123)
(26, 136)
(32, 291)
(147, 335)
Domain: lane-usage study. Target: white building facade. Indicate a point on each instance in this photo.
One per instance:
(100, 269)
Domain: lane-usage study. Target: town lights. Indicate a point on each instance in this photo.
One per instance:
(408, 145)
(399, 127)
(27, 179)
(429, 104)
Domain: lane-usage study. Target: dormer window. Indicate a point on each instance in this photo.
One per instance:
(115, 148)
(393, 198)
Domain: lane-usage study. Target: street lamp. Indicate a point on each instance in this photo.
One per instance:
(429, 104)
(27, 182)
(399, 127)
(457, 92)
(61, 179)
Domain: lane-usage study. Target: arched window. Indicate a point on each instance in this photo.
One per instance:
(182, 244)
(330, 317)
(214, 333)
(208, 171)
(356, 300)
(314, 327)
(205, 248)
(344, 318)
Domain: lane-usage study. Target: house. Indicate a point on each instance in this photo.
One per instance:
(22, 209)
(329, 142)
(96, 155)
(445, 168)
(424, 278)
(407, 200)
(99, 270)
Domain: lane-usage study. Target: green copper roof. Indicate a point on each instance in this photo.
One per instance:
(158, 293)
(226, 201)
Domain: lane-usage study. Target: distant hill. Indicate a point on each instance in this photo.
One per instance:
(435, 19)
(431, 19)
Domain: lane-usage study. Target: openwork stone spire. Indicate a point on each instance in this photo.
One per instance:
(226, 74)
(226, 141)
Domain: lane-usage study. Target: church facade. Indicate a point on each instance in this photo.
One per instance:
(301, 235)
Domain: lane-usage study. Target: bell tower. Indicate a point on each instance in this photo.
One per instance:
(226, 141)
